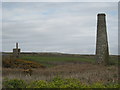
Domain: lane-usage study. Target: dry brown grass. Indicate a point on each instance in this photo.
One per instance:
(86, 73)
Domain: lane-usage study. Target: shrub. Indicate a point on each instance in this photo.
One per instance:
(38, 84)
(113, 85)
(97, 85)
(57, 82)
(14, 83)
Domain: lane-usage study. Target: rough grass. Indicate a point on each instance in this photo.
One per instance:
(50, 61)
(81, 68)
(55, 60)
(86, 73)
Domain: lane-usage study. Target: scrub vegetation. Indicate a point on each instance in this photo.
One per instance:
(59, 72)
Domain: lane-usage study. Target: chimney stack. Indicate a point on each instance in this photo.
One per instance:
(102, 51)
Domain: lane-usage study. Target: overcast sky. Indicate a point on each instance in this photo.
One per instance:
(60, 0)
(57, 27)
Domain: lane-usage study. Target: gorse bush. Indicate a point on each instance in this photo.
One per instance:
(112, 86)
(14, 83)
(38, 84)
(97, 85)
(56, 82)
(11, 62)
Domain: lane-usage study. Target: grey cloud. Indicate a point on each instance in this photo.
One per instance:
(59, 27)
(60, 1)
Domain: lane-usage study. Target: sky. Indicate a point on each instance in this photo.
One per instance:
(59, 0)
(66, 27)
(0, 27)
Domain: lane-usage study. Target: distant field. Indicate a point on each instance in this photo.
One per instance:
(52, 60)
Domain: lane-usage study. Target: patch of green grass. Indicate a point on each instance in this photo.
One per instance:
(56, 58)
(113, 60)
(48, 60)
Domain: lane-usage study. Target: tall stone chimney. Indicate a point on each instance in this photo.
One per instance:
(102, 52)
(16, 45)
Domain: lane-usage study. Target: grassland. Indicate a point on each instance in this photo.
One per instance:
(55, 60)
(82, 68)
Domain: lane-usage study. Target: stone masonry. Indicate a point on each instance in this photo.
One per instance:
(16, 51)
(102, 52)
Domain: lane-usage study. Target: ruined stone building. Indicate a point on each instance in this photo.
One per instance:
(16, 51)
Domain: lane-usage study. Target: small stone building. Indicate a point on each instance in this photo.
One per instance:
(16, 51)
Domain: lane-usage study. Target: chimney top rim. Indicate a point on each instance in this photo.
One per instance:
(101, 14)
